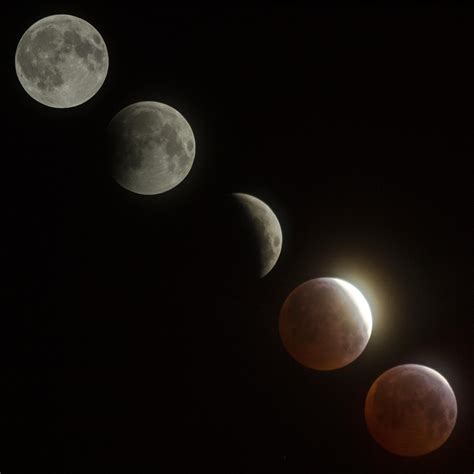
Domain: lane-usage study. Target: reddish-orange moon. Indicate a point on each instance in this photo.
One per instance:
(325, 323)
(410, 410)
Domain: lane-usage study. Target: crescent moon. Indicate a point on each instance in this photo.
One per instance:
(361, 303)
(265, 227)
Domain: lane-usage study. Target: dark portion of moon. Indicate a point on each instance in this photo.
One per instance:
(253, 237)
(410, 410)
(152, 147)
(61, 61)
(325, 323)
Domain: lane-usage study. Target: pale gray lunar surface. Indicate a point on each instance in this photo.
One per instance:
(267, 230)
(152, 147)
(61, 61)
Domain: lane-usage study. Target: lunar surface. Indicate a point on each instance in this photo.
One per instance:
(257, 234)
(325, 323)
(61, 61)
(410, 410)
(152, 147)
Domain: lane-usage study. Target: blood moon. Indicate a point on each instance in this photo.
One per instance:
(410, 410)
(325, 323)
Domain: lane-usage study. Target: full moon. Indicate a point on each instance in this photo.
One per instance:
(325, 323)
(152, 147)
(61, 61)
(410, 410)
(257, 233)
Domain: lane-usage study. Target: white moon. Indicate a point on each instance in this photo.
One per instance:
(152, 147)
(61, 61)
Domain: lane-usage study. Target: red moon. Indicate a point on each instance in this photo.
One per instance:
(410, 410)
(325, 323)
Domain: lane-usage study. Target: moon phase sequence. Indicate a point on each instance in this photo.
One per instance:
(410, 410)
(325, 323)
(152, 147)
(61, 61)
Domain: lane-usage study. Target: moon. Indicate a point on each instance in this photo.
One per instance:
(325, 323)
(61, 61)
(152, 147)
(410, 410)
(257, 235)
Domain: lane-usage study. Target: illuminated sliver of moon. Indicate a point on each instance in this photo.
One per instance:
(263, 225)
(360, 302)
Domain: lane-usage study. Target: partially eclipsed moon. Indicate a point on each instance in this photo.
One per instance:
(410, 410)
(360, 302)
(261, 230)
(152, 147)
(61, 61)
(325, 323)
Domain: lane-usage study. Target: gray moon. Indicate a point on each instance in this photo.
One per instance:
(265, 228)
(61, 61)
(325, 323)
(152, 147)
(410, 410)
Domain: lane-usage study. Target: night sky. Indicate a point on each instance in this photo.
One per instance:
(124, 343)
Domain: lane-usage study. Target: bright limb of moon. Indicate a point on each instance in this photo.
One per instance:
(360, 302)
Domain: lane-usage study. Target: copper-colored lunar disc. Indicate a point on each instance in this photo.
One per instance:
(325, 323)
(410, 410)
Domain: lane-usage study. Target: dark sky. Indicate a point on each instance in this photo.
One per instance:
(123, 345)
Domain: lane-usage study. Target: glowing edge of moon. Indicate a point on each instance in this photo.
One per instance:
(359, 299)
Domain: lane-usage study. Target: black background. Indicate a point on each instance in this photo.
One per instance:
(122, 344)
